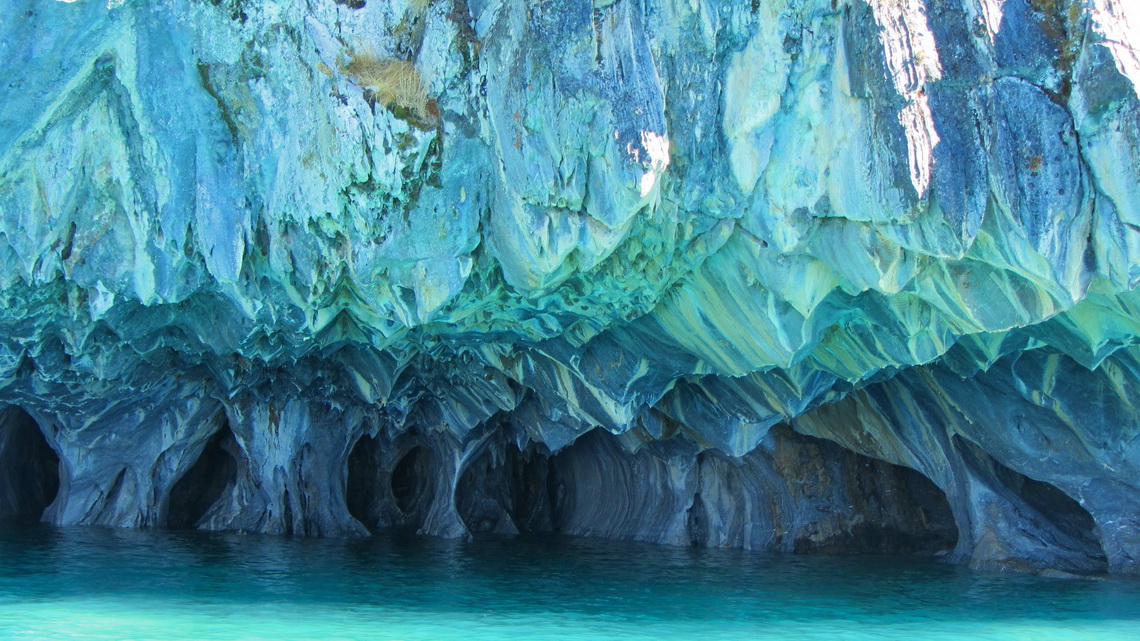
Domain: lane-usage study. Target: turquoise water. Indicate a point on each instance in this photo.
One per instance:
(79, 583)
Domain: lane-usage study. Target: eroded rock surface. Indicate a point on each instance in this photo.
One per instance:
(783, 274)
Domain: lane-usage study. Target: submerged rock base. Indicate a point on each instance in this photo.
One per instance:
(792, 493)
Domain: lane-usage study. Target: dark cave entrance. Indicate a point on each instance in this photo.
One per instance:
(1059, 509)
(828, 499)
(505, 491)
(366, 479)
(411, 482)
(924, 508)
(29, 468)
(388, 490)
(205, 482)
(858, 504)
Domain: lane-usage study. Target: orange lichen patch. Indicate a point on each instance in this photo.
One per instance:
(1034, 163)
(396, 84)
(1059, 21)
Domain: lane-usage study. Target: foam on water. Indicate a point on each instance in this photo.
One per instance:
(109, 584)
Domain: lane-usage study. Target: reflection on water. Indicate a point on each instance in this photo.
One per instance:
(85, 583)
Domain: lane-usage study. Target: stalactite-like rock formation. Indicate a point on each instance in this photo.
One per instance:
(798, 275)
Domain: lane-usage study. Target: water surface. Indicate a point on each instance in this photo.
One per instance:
(85, 583)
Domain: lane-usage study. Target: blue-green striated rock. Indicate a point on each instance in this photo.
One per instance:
(605, 268)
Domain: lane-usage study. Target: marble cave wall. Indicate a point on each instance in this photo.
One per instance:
(791, 275)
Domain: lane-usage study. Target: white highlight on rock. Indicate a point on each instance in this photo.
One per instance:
(100, 300)
(912, 60)
(1119, 22)
(753, 90)
(991, 15)
(657, 147)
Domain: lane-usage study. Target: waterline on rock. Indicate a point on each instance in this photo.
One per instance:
(84, 583)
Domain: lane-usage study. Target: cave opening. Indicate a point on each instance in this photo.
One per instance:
(829, 499)
(411, 483)
(364, 494)
(1058, 508)
(937, 529)
(29, 468)
(823, 498)
(205, 482)
(504, 491)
